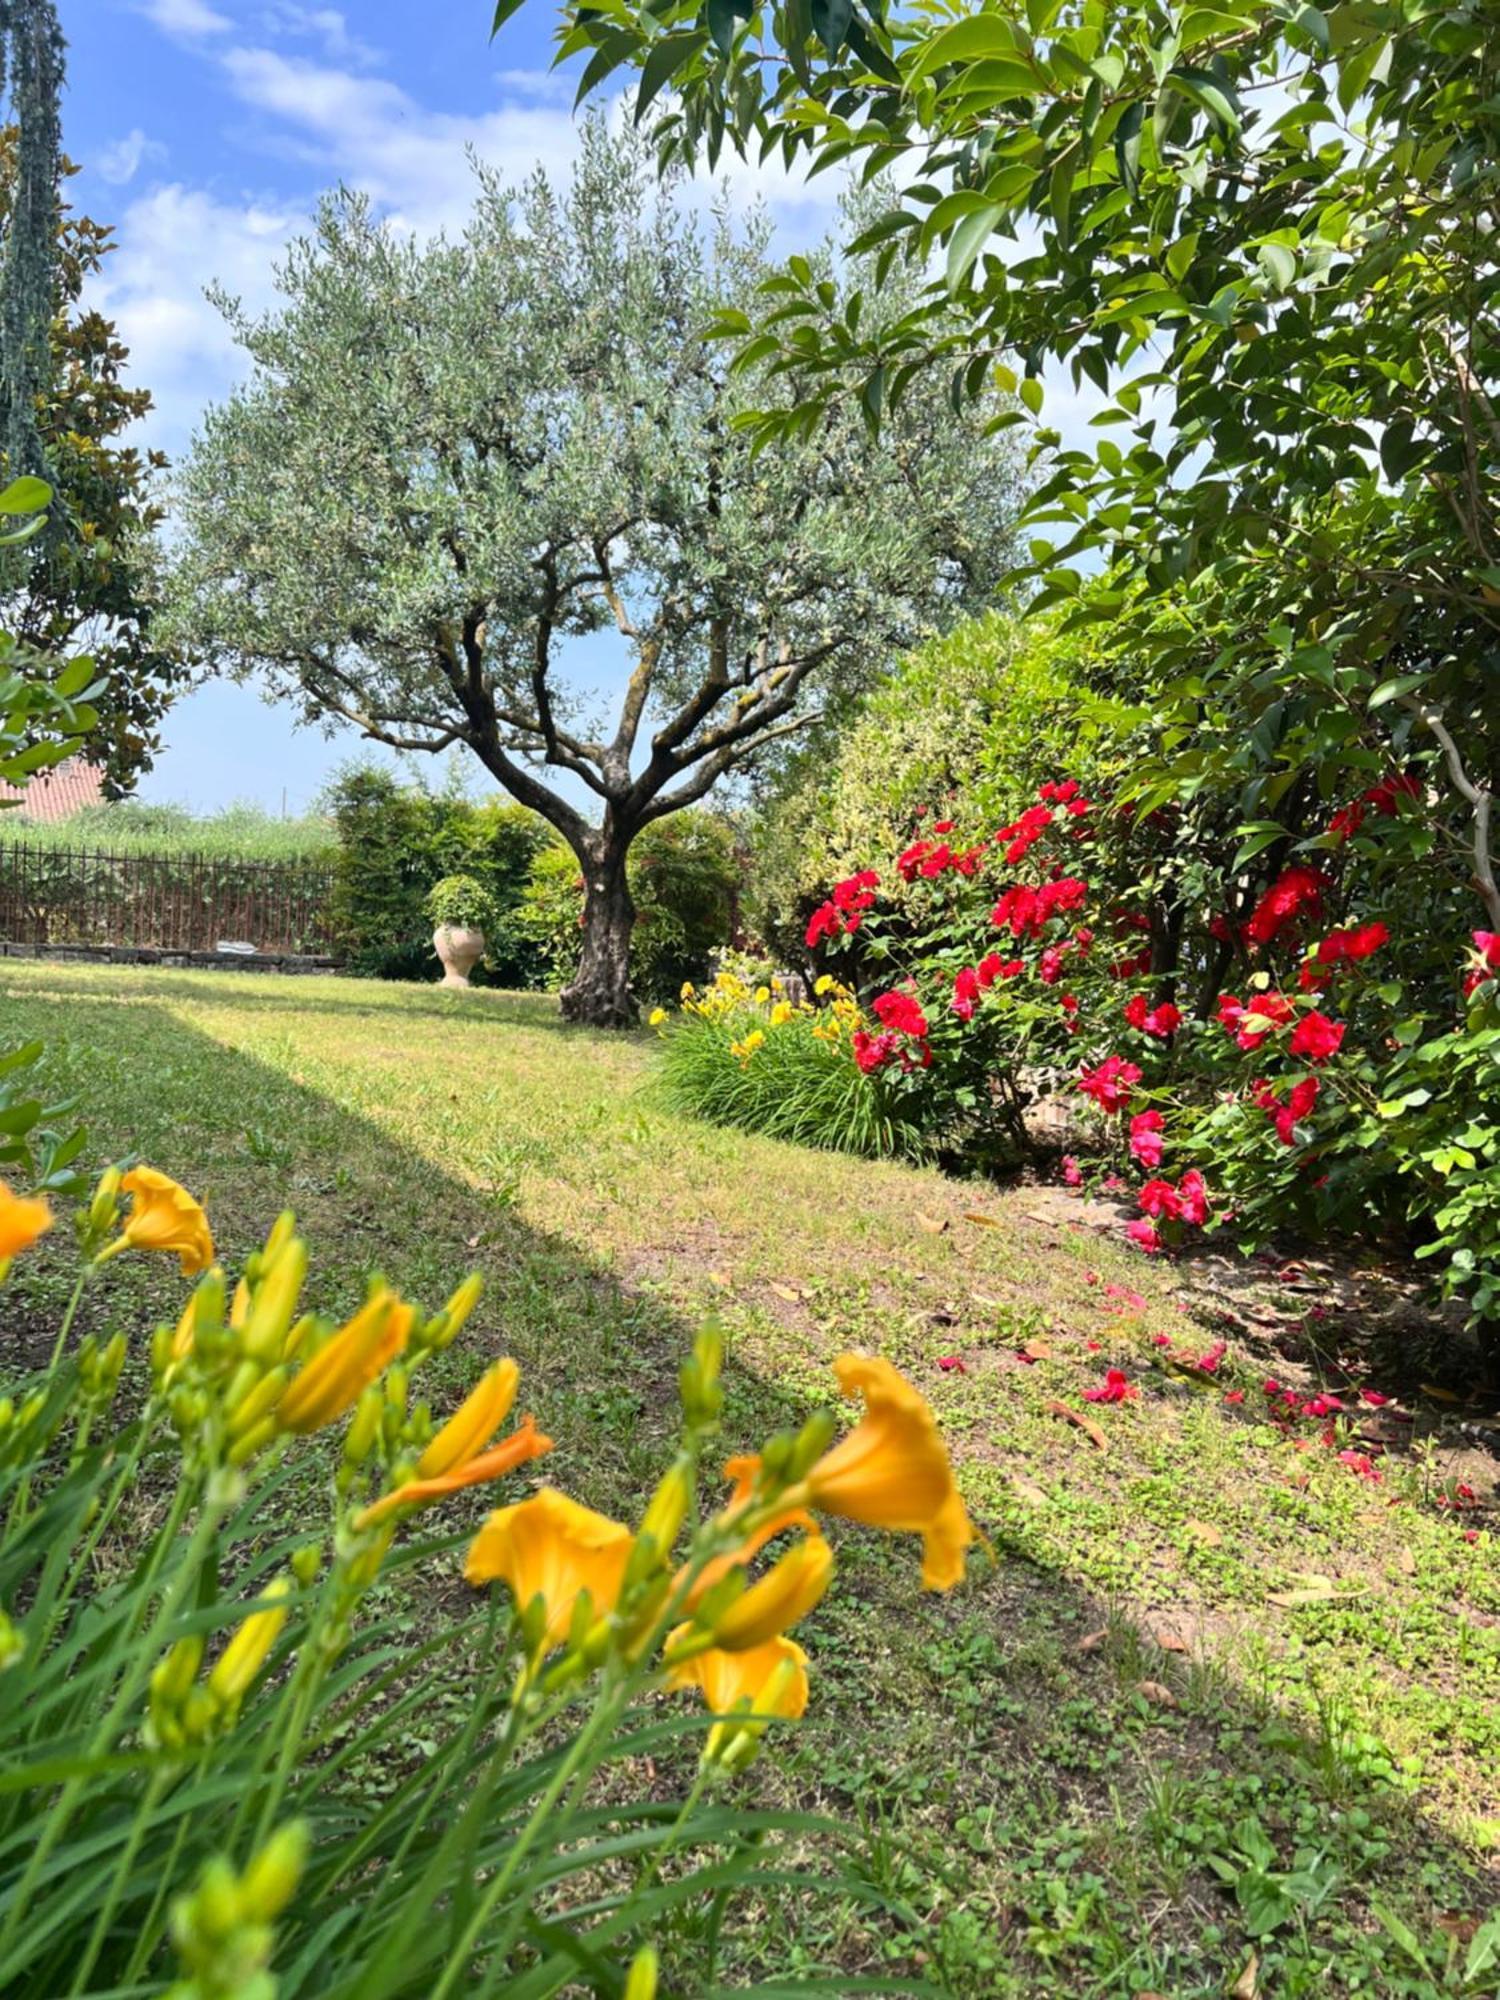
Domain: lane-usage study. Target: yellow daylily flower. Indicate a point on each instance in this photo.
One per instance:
(764, 1681)
(781, 1013)
(655, 1018)
(550, 1547)
(23, 1218)
(331, 1382)
(245, 1655)
(779, 1599)
(892, 1471)
(163, 1216)
(525, 1443)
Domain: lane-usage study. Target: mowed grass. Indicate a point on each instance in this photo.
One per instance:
(1217, 1701)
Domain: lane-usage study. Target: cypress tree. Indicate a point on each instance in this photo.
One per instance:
(31, 73)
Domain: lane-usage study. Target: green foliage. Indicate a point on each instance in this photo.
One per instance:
(570, 443)
(94, 572)
(460, 902)
(241, 832)
(31, 73)
(1265, 236)
(395, 842)
(684, 875)
(966, 722)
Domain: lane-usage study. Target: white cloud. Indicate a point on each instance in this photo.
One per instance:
(171, 243)
(185, 20)
(337, 123)
(120, 161)
(324, 25)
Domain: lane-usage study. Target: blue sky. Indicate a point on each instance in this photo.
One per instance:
(207, 130)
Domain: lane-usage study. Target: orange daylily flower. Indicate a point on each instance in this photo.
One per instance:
(785, 1594)
(550, 1547)
(23, 1218)
(523, 1444)
(331, 1382)
(766, 1680)
(474, 1422)
(892, 1471)
(164, 1216)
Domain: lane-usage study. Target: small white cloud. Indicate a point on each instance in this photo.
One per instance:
(185, 20)
(324, 25)
(121, 160)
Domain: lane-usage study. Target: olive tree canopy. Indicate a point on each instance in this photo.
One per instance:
(453, 457)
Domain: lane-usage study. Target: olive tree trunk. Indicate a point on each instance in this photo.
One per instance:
(599, 995)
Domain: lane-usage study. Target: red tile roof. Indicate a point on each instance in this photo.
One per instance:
(56, 794)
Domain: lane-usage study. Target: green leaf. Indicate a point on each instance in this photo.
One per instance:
(830, 19)
(968, 239)
(1278, 263)
(723, 16)
(1393, 689)
(971, 40)
(662, 63)
(24, 496)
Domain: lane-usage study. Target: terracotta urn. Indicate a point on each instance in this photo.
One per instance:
(460, 949)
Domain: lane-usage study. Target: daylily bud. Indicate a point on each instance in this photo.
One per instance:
(306, 1562)
(814, 1438)
(456, 1312)
(244, 1448)
(291, 1347)
(270, 1882)
(105, 1205)
(12, 1641)
(275, 1302)
(640, 1982)
(260, 1402)
(280, 1236)
(177, 1669)
(397, 1381)
(364, 1427)
(242, 1659)
(669, 1505)
(216, 1903)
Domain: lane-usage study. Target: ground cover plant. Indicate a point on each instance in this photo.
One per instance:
(1225, 1695)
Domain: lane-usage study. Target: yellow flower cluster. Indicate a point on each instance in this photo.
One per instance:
(837, 1020)
(585, 1583)
(763, 1008)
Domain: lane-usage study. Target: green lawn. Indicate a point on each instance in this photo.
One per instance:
(1217, 1698)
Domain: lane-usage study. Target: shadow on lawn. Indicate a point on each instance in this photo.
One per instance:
(275, 993)
(967, 1736)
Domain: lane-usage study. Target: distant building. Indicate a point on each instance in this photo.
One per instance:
(56, 794)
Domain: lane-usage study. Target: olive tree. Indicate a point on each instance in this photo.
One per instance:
(453, 457)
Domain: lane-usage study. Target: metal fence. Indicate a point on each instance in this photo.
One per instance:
(163, 902)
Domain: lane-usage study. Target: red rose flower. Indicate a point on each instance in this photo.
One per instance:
(1146, 1143)
(901, 1012)
(1295, 890)
(1116, 1388)
(966, 993)
(1316, 1038)
(1110, 1083)
(1136, 1010)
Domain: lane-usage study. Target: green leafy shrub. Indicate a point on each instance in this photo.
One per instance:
(197, 1697)
(684, 880)
(965, 721)
(459, 902)
(395, 842)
